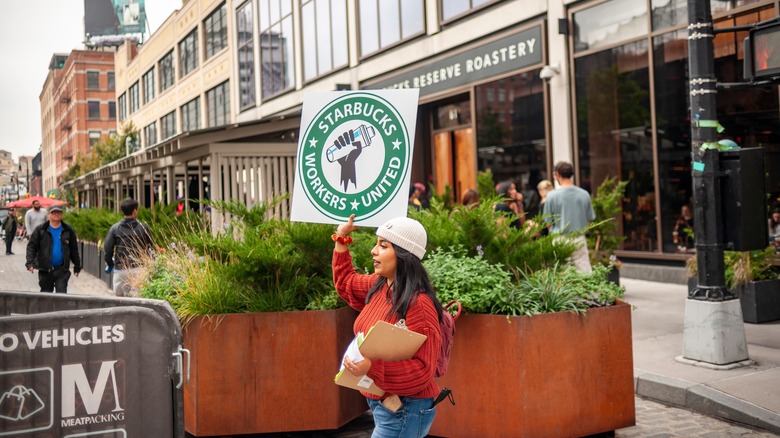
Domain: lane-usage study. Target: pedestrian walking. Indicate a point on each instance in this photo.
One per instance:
(127, 243)
(53, 246)
(572, 210)
(34, 217)
(399, 290)
(10, 223)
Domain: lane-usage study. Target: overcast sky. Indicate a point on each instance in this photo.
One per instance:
(31, 33)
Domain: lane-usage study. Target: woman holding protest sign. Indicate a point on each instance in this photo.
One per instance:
(399, 289)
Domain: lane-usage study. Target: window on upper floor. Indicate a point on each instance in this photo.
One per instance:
(276, 46)
(122, 101)
(325, 42)
(93, 109)
(454, 8)
(168, 124)
(215, 26)
(112, 110)
(384, 23)
(111, 81)
(246, 56)
(93, 80)
(148, 80)
(167, 76)
(135, 100)
(150, 134)
(94, 138)
(188, 53)
(218, 104)
(190, 115)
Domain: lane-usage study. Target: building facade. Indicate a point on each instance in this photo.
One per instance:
(49, 109)
(512, 86)
(78, 108)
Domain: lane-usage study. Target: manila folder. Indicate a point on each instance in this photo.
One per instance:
(388, 342)
(361, 383)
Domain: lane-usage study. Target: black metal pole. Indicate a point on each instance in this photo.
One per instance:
(706, 167)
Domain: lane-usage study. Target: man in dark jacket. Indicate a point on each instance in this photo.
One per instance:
(51, 249)
(9, 226)
(128, 242)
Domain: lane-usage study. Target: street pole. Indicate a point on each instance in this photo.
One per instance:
(714, 332)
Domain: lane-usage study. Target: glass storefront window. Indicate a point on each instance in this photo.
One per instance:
(670, 58)
(276, 47)
(614, 133)
(511, 139)
(454, 8)
(608, 23)
(669, 13)
(727, 5)
(384, 23)
(751, 115)
(246, 56)
(324, 37)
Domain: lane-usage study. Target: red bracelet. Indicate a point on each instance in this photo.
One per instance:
(344, 240)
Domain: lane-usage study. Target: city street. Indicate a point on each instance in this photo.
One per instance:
(653, 419)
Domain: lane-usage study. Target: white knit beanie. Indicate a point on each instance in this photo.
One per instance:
(406, 233)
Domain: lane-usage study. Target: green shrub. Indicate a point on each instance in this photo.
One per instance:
(162, 282)
(473, 281)
(559, 289)
(603, 234)
(478, 230)
(745, 266)
(91, 224)
(257, 263)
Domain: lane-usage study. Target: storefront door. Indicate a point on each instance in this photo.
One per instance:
(454, 161)
(454, 152)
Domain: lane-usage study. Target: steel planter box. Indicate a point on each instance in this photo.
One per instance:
(760, 301)
(551, 375)
(268, 372)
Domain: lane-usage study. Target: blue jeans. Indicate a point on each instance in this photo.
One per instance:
(412, 420)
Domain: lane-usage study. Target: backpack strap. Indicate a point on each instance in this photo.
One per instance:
(459, 307)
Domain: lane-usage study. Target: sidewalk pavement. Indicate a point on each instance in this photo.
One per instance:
(748, 395)
(15, 276)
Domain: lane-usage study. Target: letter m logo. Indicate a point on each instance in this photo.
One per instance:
(74, 378)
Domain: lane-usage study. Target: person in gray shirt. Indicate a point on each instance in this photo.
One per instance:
(571, 210)
(34, 217)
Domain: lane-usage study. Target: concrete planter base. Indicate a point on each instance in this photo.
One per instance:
(268, 372)
(551, 375)
(760, 300)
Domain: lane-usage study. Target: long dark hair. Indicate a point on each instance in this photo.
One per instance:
(410, 280)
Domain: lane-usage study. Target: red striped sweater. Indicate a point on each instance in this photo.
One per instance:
(412, 377)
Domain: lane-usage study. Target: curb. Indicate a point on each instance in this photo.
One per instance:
(705, 400)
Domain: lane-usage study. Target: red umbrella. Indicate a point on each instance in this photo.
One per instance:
(27, 202)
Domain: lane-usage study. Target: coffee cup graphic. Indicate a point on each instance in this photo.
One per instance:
(363, 133)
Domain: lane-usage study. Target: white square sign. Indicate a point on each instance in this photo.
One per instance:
(354, 156)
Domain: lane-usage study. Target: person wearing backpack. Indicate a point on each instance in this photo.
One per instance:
(399, 289)
(127, 243)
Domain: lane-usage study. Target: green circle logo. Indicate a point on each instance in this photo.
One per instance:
(354, 156)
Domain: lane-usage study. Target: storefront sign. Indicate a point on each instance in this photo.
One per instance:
(354, 156)
(507, 54)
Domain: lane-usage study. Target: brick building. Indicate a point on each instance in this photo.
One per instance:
(78, 108)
